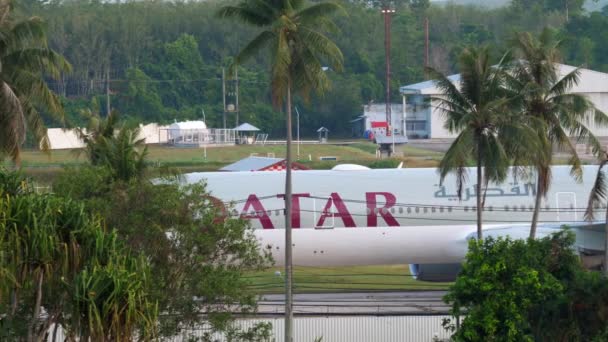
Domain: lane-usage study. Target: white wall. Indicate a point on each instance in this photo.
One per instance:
(437, 128)
(60, 138)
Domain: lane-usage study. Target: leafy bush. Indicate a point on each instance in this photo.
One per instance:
(527, 290)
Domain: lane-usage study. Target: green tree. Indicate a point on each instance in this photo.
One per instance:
(527, 290)
(57, 257)
(297, 51)
(478, 111)
(25, 60)
(546, 97)
(97, 129)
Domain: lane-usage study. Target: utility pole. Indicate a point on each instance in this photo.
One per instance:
(224, 94)
(108, 109)
(237, 109)
(426, 46)
(386, 11)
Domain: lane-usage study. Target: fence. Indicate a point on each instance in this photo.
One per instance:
(200, 137)
(340, 328)
(426, 328)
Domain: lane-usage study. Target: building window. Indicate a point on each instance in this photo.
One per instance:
(415, 125)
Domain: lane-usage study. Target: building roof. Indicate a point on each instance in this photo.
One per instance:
(261, 164)
(251, 164)
(322, 129)
(246, 127)
(590, 81)
(426, 87)
(188, 125)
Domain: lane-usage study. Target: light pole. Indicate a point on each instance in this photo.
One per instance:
(298, 129)
(386, 12)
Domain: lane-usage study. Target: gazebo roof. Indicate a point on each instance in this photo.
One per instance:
(322, 129)
(246, 127)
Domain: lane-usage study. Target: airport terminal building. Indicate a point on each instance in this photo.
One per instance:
(424, 120)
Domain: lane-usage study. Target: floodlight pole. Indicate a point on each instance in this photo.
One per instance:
(386, 12)
(224, 94)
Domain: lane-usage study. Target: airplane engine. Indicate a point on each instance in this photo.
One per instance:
(435, 272)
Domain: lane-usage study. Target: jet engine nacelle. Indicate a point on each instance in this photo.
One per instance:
(435, 272)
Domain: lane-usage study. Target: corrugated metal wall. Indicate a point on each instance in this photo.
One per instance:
(349, 329)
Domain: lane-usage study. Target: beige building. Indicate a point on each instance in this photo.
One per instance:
(422, 113)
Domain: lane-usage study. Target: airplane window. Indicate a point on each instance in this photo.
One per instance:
(384, 211)
(400, 210)
(523, 208)
(409, 210)
(269, 212)
(369, 211)
(506, 208)
(466, 208)
(491, 208)
(449, 209)
(277, 212)
(426, 210)
(514, 208)
(473, 208)
(417, 210)
(531, 207)
(393, 210)
(440, 209)
(433, 209)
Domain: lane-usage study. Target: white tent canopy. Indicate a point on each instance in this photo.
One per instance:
(188, 125)
(246, 127)
(187, 131)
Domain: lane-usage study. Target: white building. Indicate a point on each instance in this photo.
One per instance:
(425, 120)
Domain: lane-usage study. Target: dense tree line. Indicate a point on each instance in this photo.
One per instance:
(163, 60)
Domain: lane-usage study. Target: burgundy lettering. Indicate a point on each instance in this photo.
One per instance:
(342, 211)
(259, 213)
(373, 211)
(295, 209)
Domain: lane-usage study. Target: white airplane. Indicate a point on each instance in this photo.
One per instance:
(356, 216)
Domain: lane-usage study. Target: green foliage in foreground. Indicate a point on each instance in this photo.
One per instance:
(528, 290)
(58, 259)
(197, 255)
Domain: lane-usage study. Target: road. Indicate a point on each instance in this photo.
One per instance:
(358, 303)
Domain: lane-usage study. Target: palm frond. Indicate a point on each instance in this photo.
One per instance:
(256, 16)
(456, 159)
(313, 13)
(12, 122)
(254, 47)
(566, 83)
(322, 46)
(598, 191)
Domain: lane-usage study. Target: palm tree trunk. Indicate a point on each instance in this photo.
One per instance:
(36, 314)
(479, 196)
(606, 245)
(539, 195)
(288, 243)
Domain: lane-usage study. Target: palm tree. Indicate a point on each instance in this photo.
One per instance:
(98, 128)
(597, 196)
(546, 97)
(297, 46)
(26, 60)
(488, 132)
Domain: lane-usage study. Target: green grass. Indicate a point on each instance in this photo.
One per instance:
(44, 166)
(331, 279)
